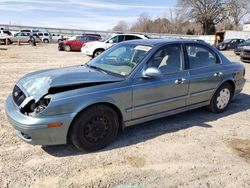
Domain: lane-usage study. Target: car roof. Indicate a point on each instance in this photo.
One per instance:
(132, 34)
(155, 42)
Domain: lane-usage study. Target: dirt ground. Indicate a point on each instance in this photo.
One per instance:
(192, 149)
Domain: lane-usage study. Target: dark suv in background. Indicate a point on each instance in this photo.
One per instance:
(240, 47)
(229, 44)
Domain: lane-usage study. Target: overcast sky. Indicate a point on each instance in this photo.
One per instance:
(82, 14)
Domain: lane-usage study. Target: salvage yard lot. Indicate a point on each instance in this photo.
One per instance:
(191, 149)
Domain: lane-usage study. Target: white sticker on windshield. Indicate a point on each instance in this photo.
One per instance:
(143, 48)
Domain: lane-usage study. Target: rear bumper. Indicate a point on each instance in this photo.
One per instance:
(239, 84)
(35, 130)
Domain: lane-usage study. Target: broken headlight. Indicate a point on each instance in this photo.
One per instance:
(34, 108)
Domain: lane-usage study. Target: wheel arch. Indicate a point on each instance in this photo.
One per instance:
(100, 48)
(109, 104)
(231, 82)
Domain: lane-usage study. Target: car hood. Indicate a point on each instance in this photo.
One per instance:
(222, 43)
(96, 43)
(244, 44)
(37, 84)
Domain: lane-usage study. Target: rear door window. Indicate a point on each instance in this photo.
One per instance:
(129, 37)
(200, 56)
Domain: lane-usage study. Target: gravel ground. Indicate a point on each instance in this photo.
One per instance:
(192, 149)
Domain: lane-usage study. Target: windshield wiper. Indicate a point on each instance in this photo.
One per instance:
(97, 68)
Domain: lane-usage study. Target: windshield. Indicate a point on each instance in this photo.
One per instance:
(106, 38)
(120, 59)
(247, 41)
(227, 40)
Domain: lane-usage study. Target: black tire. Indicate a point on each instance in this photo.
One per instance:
(45, 41)
(97, 52)
(214, 105)
(94, 128)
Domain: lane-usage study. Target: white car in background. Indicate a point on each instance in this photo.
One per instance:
(44, 37)
(21, 37)
(95, 48)
(57, 37)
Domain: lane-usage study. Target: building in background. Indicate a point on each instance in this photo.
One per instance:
(246, 26)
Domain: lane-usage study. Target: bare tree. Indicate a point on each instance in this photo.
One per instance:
(121, 26)
(142, 24)
(237, 10)
(207, 12)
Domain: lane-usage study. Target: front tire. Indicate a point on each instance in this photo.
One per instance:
(97, 52)
(45, 41)
(94, 128)
(221, 98)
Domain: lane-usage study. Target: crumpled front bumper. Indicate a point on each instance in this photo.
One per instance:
(35, 130)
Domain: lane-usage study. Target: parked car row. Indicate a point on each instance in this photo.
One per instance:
(76, 42)
(229, 44)
(24, 36)
(93, 45)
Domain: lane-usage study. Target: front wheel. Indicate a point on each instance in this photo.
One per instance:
(94, 128)
(221, 98)
(46, 41)
(97, 52)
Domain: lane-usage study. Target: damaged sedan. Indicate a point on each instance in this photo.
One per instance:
(130, 83)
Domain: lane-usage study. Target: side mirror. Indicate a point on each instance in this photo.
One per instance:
(110, 41)
(151, 72)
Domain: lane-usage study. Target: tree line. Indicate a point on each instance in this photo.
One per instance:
(192, 17)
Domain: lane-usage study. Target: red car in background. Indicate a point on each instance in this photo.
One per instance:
(75, 43)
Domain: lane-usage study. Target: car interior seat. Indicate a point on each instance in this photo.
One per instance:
(171, 61)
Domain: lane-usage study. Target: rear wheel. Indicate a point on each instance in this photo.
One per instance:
(221, 98)
(67, 48)
(94, 128)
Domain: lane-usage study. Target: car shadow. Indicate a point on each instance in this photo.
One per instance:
(149, 130)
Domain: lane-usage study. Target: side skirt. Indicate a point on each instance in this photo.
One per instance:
(164, 114)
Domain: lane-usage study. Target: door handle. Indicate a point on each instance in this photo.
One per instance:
(218, 74)
(180, 81)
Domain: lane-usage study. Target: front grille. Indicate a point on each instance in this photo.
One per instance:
(18, 95)
(247, 53)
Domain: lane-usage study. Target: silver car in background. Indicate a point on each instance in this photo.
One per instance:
(130, 83)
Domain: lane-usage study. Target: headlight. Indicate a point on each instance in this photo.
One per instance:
(33, 109)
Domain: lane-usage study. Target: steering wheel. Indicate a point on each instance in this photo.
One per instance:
(132, 64)
(123, 59)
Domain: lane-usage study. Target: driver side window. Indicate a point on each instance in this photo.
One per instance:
(168, 59)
